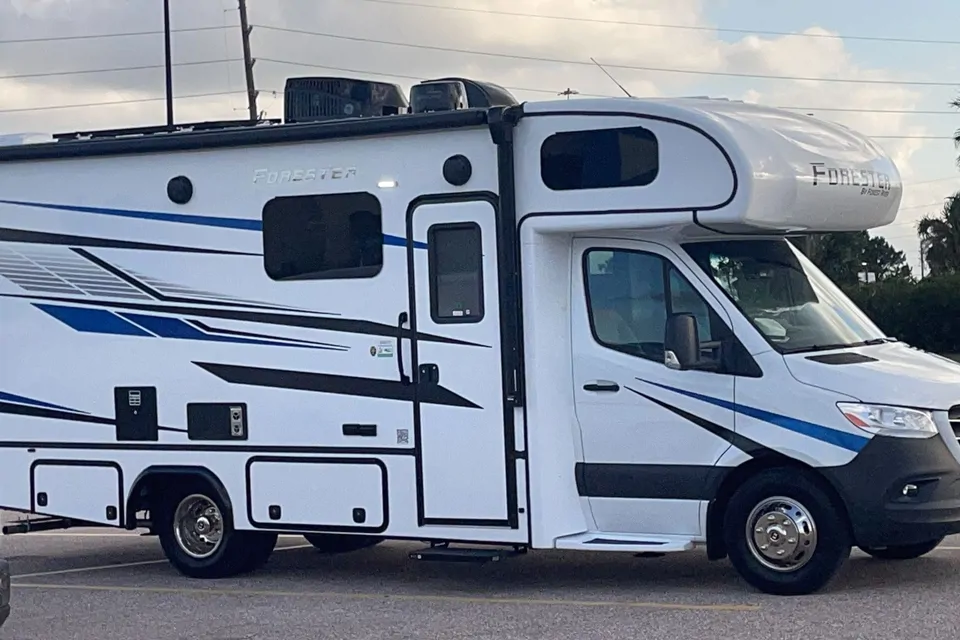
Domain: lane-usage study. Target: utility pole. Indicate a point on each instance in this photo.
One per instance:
(248, 61)
(168, 65)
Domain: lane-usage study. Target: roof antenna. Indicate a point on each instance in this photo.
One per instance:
(612, 78)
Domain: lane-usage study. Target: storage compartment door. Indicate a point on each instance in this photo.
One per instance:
(317, 494)
(78, 489)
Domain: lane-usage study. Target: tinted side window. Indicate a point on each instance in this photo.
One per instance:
(599, 159)
(630, 294)
(456, 272)
(322, 236)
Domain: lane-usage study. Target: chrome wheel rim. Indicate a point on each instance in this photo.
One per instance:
(198, 526)
(781, 534)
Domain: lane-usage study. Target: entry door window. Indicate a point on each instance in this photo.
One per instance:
(631, 293)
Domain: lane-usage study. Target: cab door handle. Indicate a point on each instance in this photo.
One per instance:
(602, 385)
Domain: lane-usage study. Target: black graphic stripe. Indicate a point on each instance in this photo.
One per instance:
(331, 383)
(342, 325)
(751, 447)
(157, 295)
(40, 237)
(194, 447)
(56, 414)
(649, 481)
(263, 336)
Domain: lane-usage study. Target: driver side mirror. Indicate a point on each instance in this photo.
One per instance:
(681, 342)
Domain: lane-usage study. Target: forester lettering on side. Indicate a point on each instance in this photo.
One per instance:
(267, 176)
(872, 183)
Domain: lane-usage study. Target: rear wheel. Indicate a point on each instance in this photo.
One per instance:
(904, 551)
(338, 543)
(784, 534)
(199, 539)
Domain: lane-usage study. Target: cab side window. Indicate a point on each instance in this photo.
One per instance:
(630, 294)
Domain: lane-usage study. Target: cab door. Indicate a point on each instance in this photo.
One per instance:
(651, 434)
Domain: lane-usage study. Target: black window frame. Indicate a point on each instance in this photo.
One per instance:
(640, 130)
(432, 273)
(367, 201)
(732, 357)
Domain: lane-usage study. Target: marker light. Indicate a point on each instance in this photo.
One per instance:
(387, 184)
(884, 420)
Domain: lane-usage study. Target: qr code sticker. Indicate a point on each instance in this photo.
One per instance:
(403, 436)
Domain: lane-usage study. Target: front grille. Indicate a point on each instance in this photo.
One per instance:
(954, 417)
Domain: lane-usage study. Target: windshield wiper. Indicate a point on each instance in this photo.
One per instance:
(827, 347)
(818, 347)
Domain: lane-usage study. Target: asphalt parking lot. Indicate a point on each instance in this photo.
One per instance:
(96, 584)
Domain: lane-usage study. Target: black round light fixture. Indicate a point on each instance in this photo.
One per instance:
(457, 170)
(180, 190)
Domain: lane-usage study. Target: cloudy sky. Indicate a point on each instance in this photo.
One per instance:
(740, 49)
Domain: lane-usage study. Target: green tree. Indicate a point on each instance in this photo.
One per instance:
(940, 237)
(844, 256)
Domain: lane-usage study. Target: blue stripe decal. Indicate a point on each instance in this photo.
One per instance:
(92, 320)
(178, 329)
(846, 440)
(12, 397)
(243, 224)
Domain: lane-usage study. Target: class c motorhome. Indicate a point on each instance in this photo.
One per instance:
(500, 328)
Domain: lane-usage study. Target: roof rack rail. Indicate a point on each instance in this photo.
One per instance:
(153, 130)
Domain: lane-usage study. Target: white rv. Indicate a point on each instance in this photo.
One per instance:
(553, 325)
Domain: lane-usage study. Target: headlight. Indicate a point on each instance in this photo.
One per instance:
(885, 420)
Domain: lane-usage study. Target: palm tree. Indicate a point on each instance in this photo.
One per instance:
(955, 103)
(940, 236)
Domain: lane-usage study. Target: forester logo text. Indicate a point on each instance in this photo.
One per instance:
(266, 176)
(871, 183)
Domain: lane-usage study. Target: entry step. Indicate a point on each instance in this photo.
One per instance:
(600, 541)
(464, 554)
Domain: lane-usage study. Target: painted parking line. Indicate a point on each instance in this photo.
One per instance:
(625, 604)
(121, 565)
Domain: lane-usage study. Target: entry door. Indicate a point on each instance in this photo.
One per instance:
(651, 435)
(459, 419)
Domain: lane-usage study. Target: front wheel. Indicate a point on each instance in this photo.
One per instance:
(784, 534)
(904, 551)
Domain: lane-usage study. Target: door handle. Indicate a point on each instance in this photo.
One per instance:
(404, 378)
(602, 385)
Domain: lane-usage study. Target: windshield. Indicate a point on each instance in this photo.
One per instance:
(788, 299)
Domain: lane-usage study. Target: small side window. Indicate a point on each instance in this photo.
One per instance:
(455, 257)
(599, 159)
(320, 237)
(630, 295)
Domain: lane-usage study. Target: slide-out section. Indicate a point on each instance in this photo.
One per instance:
(87, 490)
(317, 494)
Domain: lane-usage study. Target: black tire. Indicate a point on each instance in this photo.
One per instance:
(338, 543)
(236, 552)
(802, 491)
(904, 551)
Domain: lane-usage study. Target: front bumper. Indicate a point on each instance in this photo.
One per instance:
(4, 591)
(877, 488)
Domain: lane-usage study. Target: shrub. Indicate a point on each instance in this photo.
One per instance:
(925, 314)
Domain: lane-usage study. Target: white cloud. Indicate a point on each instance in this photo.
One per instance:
(574, 40)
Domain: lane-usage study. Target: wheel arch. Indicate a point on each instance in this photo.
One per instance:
(145, 487)
(736, 477)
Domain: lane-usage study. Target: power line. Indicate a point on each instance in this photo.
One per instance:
(101, 36)
(22, 76)
(554, 92)
(665, 26)
(117, 102)
(919, 112)
(550, 91)
(511, 56)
